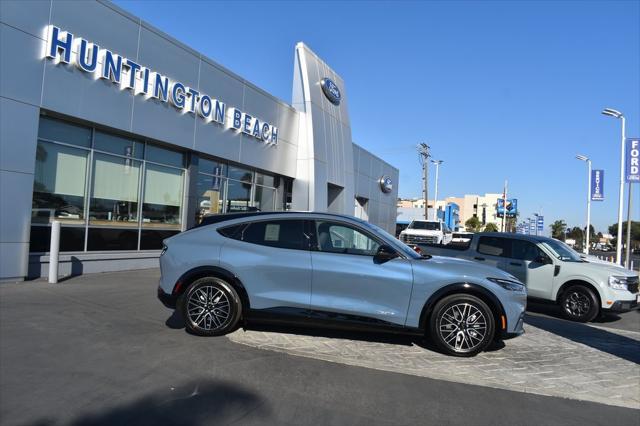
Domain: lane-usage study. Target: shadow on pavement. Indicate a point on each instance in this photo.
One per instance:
(553, 310)
(175, 321)
(597, 338)
(199, 403)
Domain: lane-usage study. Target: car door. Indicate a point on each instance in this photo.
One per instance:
(272, 260)
(345, 280)
(492, 251)
(532, 266)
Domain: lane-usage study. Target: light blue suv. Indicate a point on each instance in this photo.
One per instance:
(333, 271)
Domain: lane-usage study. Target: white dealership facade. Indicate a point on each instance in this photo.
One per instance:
(127, 136)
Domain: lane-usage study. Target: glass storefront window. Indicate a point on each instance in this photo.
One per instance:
(165, 156)
(240, 174)
(61, 131)
(118, 145)
(212, 167)
(210, 190)
(265, 180)
(162, 196)
(264, 198)
(114, 195)
(238, 196)
(59, 184)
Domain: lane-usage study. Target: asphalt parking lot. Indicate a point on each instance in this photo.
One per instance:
(100, 349)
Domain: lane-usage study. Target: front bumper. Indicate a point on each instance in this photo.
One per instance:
(620, 306)
(516, 331)
(168, 300)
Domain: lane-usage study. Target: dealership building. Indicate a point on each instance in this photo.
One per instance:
(127, 136)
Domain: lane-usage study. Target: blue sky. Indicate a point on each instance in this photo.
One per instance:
(500, 90)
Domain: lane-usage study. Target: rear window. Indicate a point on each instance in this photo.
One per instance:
(287, 234)
(231, 231)
(494, 246)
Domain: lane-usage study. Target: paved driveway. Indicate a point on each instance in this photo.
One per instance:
(100, 350)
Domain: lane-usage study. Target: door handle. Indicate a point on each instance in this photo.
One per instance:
(515, 263)
(479, 258)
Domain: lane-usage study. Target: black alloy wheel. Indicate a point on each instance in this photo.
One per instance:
(462, 325)
(579, 303)
(210, 307)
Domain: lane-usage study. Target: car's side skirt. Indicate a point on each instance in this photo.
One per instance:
(323, 319)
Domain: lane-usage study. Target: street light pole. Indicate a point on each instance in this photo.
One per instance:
(584, 158)
(435, 199)
(617, 114)
(628, 251)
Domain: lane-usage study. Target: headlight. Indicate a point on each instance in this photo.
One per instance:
(507, 284)
(618, 283)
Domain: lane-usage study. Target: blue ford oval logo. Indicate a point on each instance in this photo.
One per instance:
(386, 184)
(331, 91)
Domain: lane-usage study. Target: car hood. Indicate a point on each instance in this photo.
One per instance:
(608, 267)
(451, 266)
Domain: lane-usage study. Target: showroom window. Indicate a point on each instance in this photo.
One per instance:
(224, 188)
(108, 192)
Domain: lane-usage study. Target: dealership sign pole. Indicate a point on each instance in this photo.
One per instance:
(632, 173)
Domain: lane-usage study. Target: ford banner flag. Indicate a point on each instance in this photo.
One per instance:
(632, 160)
(597, 185)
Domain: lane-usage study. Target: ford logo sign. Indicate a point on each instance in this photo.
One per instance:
(331, 91)
(386, 184)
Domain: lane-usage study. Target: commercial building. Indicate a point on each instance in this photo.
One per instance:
(456, 210)
(127, 136)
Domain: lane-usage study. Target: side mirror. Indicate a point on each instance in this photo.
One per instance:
(384, 254)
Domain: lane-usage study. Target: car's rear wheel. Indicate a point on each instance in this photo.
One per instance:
(462, 325)
(211, 307)
(579, 303)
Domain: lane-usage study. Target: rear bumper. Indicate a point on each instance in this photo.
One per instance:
(168, 300)
(620, 306)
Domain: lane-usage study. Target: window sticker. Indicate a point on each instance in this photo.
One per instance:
(272, 232)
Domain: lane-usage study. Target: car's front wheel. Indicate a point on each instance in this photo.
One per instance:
(210, 307)
(579, 303)
(462, 325)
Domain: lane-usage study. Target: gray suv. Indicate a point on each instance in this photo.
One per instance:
(333, 271)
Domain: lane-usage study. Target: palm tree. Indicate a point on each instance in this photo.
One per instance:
(558, 229)
(491, 227)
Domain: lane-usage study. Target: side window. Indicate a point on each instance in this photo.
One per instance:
(524, 250)
(336, 237)
(231, 231)
(493, 246)
(287, 234)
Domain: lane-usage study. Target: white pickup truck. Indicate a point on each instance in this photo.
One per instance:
(426, 232)
(553, 271)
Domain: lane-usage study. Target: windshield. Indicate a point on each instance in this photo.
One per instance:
(429, 226)
(405, 249)
(561, 251)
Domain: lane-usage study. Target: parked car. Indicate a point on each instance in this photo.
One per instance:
(426, 232)
(551, 270)
(239, 268)
(461, 237)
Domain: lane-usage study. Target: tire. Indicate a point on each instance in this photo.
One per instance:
(579, 303)
(462, 325)
(210, 307)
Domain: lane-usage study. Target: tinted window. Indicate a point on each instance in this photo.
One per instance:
(231, 231)
(335, 237)
(64, 132)
(493, 246)
(524, 250)
(429, 226)
(288, 234)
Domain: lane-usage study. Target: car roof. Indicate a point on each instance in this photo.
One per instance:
(224, 217)
(536, 238)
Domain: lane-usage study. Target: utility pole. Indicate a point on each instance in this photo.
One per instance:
(424, 154)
